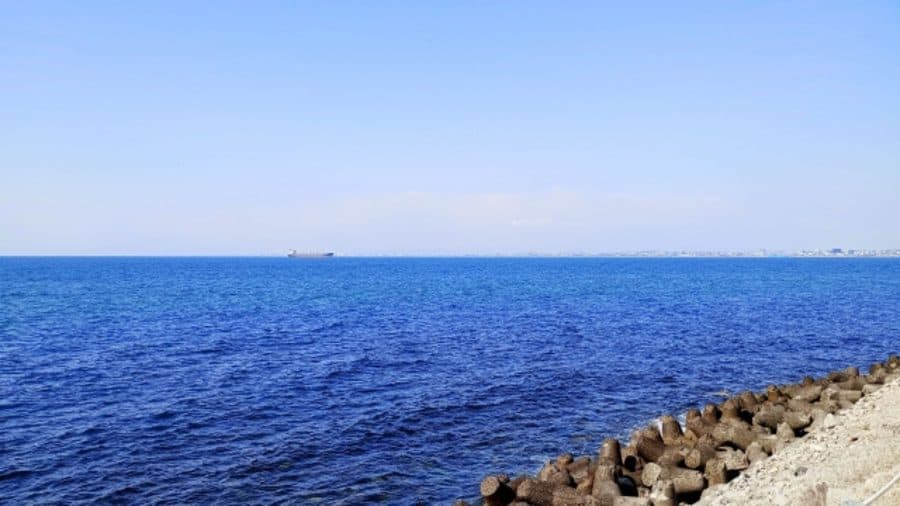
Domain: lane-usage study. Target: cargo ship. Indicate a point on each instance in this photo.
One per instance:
(309, 254)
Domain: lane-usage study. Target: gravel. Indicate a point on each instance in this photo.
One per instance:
(842, 462)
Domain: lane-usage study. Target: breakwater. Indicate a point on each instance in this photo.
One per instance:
(671, 462)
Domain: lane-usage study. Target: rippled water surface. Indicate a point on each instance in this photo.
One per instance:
(387, 381)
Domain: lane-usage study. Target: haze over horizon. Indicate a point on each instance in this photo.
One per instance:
(463, 128)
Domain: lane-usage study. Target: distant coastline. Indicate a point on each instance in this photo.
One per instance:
(818, 253)
(762, 253)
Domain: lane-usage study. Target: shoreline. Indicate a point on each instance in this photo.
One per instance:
(846, 460)
(758, 447)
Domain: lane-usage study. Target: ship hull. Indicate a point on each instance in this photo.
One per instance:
(311, 255)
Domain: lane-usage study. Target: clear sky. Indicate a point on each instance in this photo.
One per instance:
(447, 127)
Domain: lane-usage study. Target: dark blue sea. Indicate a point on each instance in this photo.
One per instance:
(388, 381)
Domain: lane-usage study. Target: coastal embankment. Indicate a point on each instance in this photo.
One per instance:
(834, 440)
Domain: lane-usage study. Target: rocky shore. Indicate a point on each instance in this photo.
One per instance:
(815, 442)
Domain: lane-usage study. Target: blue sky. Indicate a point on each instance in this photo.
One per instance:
(447, 127)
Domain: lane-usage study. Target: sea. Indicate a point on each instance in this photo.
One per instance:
(389, 380)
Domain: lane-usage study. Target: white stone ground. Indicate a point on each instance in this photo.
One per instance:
(840, 463)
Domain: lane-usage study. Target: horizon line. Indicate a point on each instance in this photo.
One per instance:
(880, 253)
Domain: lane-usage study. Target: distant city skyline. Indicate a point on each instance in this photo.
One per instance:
(418, 128)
